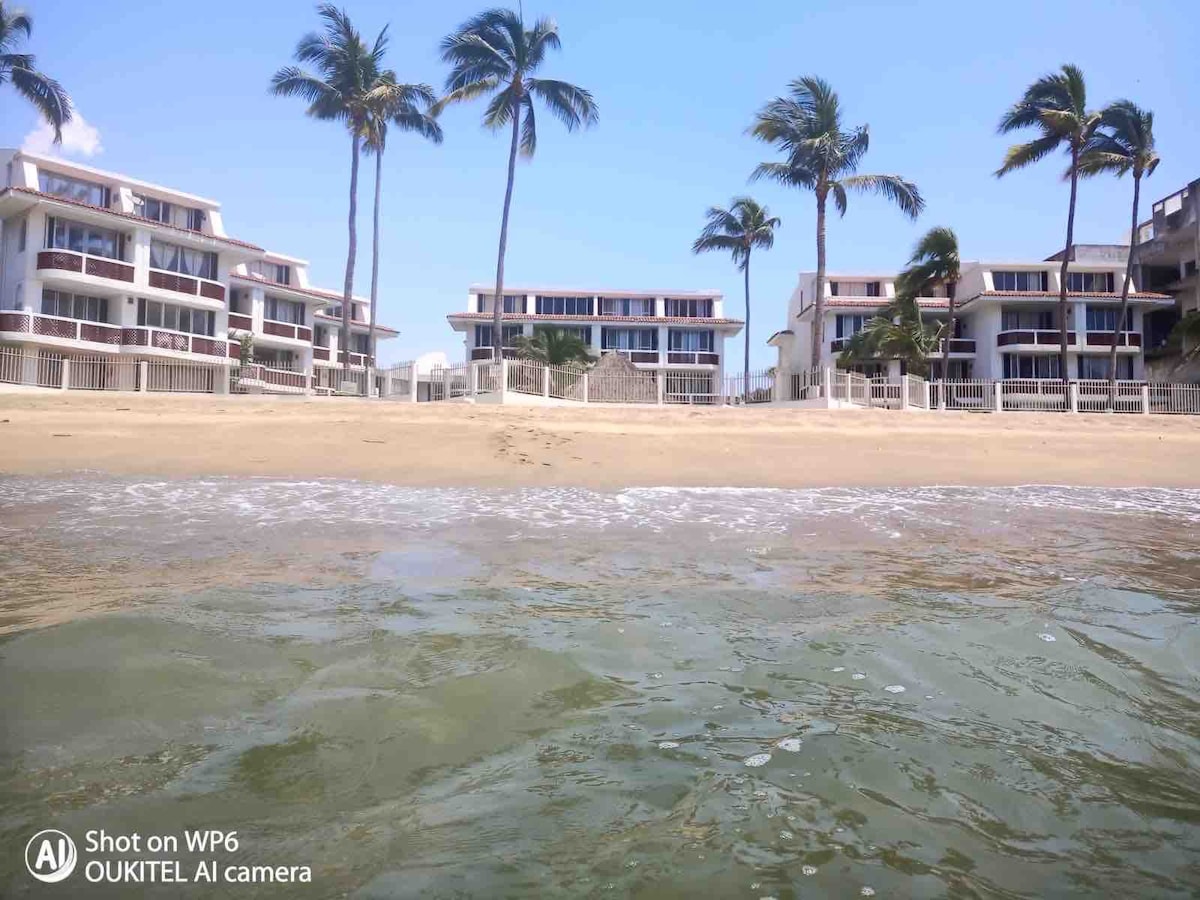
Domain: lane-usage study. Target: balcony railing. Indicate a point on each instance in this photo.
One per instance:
(288, 330)
(356, 359)
(687, 357)
(178, 341)
(99, 266)
(237, 320)
(957, 345)
(1105, 339)
(489, 353)
(637, 356)
(321, 353)
(1036, 336)
(60, 327)
(186, 284)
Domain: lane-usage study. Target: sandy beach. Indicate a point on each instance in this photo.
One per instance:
(466, 445)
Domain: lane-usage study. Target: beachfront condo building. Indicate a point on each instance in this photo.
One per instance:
(680, 331)
(1166, 258)
(1006, 319)
(96, 265)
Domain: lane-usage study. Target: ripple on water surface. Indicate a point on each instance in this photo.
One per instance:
(654, 692)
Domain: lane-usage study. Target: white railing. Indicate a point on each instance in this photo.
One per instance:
(396, 381)
(13, 368)
(487, 377)
(850, 387)
(884, 392)
(182, 377)
(566, 383)
(102, 373)
(916, 391)
(1093, 395)
(336, 380)
(606, 387)
(759, 389)
(1034, 394)
(525, 377)
(806, 385)
(262, 378)
(962, 393)
(1174, 399)
(689, 387)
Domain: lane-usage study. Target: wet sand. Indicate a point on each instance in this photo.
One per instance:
(597, 447)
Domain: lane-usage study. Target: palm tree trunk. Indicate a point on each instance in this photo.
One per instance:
(374, 260)
(1062, 276)
(1120, 325)
(352, 253)
(746, 361)
(498, 298)
(818, 328)
(946, 351)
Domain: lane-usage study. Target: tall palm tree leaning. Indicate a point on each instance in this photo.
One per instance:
(1123, 143)
(493, 54)
(407, 107)
(738, 230)
(822, 156)
(1056, 105)
(349, 84)
(935, 261)
(46, 94)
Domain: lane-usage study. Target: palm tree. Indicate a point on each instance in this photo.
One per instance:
(493, 54)
(823, 157)
(934, 261)
(554, 347)
(898, 332)
(1123, 143)
(46, 94)
(407, 107)
(738, 230)
(1055, 104)
(350, 83)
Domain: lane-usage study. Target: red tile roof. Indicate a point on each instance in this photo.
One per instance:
(650, 320)
(124, 215)
(337, 320)
(1096, 295)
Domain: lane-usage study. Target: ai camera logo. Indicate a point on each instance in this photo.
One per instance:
(50, 856)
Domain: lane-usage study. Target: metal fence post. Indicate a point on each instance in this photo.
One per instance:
(1145, 399)
(827, 383)
(66, 372)
(502, 379)
(446, 381)
(998, 388)
(585, 387)
(1073, 397)
(412, 383)
(143, 374)
(545, 381)
(660, 382)
(904, 383)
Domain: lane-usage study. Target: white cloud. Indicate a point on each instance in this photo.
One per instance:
(427, 362)
(78, 139)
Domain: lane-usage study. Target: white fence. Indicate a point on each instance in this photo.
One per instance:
(969, 394)
(760, 388)
(259, 378)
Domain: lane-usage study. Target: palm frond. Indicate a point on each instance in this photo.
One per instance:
(572, 105)
(838, 190)
(528, 143)
(47, 95)
(785, 174)
(904, 194)
(1021, 155)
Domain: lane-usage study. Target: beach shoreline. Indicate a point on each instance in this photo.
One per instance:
(463, 445)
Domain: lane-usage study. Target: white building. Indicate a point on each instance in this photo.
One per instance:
(680, 331)
(1006, 319)
(97, 265)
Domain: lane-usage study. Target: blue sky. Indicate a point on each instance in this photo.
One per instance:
(178, 95)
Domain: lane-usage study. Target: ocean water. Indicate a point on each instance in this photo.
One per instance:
(939, 692)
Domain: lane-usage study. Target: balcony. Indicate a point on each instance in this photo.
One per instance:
(99, 266)
(636, 356)
(180, 342)
(186, 284)
(1036, 337)
(288, 330)
(239, 321)
(963, 346)
(59, 327)
(689, 358)
(1105, 339)
(356, 359)
(489, 353)
(321, 353)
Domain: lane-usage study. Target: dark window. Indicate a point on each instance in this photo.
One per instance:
(848, 325)
(289, 311)
(1026, 320)
(21, 236)
(1104, 318)
(583, 332)
(73, 189)
(645, 339)
(483, 335)
(63, 234)
(1096, 367)
(563, 306)
(155, 314)
(690, 341)
(1030, 366)
(1090, 282)
(74, 306)
(873, 289)
(513, 303)
(689, 308)
(1021, 281)
(184, 260)
(627, 306)
(833, 289)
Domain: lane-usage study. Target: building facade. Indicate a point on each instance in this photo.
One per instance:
(97, 265)
(1166, 258)
(1006, 319)
(678, 331)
